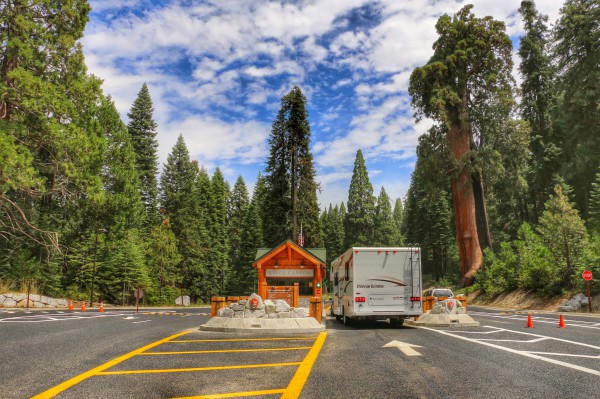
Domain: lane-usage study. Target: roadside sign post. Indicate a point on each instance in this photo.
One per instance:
(139, 294)
(587, 276)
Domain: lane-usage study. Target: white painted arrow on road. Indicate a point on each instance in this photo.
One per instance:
(407, 349)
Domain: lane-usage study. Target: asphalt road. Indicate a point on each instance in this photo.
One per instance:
(500, 359)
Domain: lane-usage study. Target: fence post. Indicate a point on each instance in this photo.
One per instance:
(296, 296)
(232, 299)
(217, 302)
(463, 300)
(316, 308)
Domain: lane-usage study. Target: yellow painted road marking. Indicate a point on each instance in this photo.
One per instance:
(235, 394)
(185, 341)
(298, 348)
(295, 386)
(155, 371)
(96, 371)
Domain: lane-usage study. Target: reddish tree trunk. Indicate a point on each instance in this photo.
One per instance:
(467, 239)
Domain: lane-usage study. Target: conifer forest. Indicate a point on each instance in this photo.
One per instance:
(505, 192)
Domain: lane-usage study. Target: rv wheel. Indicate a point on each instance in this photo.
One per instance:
(396, 322)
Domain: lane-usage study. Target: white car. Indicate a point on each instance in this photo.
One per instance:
(439, 292)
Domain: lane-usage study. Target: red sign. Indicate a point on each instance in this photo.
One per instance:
(587, 275)
(318, 291)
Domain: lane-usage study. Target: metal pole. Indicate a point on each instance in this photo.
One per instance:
(94, 271)
(589, 297)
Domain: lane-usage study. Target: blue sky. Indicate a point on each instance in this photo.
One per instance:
(217, 70)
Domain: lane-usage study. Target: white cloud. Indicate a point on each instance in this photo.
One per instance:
(216, 72)
(211, 140)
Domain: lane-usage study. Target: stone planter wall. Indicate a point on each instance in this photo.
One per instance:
(35, 301)
(267, 309)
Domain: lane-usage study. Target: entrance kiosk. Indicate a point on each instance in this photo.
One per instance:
(290, 272)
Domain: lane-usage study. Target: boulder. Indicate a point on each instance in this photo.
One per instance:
(584, 302)
(249, 314)
(34, 298)
(283, 315)
(62, 303)
(9, 303)
(19, 297)
(185, 300)
(261, 304)
(269, 306)
(236, 307)
(565, 308)
(238, 315)
(281, 306)
(225, 312)
(2, 299)
(38, 305)
(298, 313)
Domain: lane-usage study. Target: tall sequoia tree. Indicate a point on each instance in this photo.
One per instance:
(360, 219)
(142, 129)
(290, 175)
(468, 75)
(577, 54)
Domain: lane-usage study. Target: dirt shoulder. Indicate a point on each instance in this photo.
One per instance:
(524, 300)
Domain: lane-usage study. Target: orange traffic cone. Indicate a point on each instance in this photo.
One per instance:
(101, 306)
(83, 306)
(529, 321)
(70, 304)
(561, 322)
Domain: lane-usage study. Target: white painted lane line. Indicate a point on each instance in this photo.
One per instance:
(143, 321)
(565, 354)
(541, 319)
(513, 340)
(548, 337)
(517, 352)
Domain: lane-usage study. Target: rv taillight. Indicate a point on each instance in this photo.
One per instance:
(415, 298)
(360, 299)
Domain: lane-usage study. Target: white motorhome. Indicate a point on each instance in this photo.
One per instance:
(377, 283)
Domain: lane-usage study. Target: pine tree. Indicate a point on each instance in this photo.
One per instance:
(398, 216)
(334, 235)
(537, 92)
(219, 250)
(359, 221)
(290, 175)
(122, 208)
(564, 233)
(594, 220)
(51, 146)
(142, 129)
(577, 55)
(251, 239)
(385, 232)
(236, 214)
(164, 261)
(179, 200)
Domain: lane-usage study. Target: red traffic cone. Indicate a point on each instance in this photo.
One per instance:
(83, 309)
(70, 304)
(101, 306)
(529, 321)
(561, 322)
